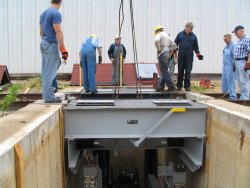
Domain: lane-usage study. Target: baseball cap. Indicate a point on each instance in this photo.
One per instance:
(189, 24)
(237, 28)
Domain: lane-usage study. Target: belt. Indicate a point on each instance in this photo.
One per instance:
(245, 58)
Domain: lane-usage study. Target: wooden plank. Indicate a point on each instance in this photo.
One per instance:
(61, 129)
(7, 169)
(19, 166)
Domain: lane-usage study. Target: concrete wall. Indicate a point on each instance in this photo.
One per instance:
(31, 152)
(227, 156)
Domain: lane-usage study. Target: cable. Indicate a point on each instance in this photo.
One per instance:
(121, 12)
(135, 50)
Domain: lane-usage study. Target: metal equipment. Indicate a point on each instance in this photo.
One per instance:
(92, 174)
(143, 123)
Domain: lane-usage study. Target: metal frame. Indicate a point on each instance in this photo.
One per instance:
(130, 123)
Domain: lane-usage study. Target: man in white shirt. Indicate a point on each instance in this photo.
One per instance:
(163, 44)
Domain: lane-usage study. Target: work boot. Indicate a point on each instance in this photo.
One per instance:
(159, 89)
(187, 89)
(178, 89)
(94, 92)
(170, 90)
(56, 100)
(85, 91)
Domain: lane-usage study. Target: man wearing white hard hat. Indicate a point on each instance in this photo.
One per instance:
(114, 55)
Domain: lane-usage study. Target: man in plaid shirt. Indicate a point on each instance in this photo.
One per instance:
(242, 57)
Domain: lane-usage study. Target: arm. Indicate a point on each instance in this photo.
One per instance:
(158, 46)
(124, 52)
(110, 51)
(196, 46)
(157, 43)
(59, 34)
(248, 49)
(100, 55)
(177, 41)
(41, 31)
(99, 51)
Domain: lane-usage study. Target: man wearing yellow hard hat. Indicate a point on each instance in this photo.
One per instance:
(114, 55)
(88, 62)
(165, 47)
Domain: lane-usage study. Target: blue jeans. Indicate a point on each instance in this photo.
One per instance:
(55, 83)
(228, 81)
(50, 62)
(89, 70)
(165, 78)
(242, 79)
(171, 68)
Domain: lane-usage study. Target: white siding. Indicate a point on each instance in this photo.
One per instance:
(19, 28)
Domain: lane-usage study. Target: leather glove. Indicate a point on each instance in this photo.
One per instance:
(247, 67)
(64, 52)
(100, 59)
(200, 57)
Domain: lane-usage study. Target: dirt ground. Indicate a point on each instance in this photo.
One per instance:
(33, 85)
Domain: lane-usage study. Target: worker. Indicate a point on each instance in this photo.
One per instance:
(88, 62)
(228, 71)
(172, 63)
(242, 64)
(114, 55)
(187, 42)
(163, 44)
(52, 39)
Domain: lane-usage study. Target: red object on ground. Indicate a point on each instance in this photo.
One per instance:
(205, 83)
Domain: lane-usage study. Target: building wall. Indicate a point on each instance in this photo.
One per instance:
(19, 33)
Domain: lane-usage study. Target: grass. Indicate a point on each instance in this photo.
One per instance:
(200, 89)
(34, 84)
(8, 100)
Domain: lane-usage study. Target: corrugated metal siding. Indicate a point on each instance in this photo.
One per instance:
(19, 33)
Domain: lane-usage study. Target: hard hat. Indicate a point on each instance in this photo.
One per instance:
(93, 35)
(158, 27)
(117, 37)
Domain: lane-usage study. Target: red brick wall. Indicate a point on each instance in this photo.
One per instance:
(104, 74)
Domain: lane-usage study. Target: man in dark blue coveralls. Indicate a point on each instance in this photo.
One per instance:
(88, 62)
(187, 42)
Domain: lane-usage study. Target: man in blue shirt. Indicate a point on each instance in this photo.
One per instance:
(52, 39)
(187, 42)
(88, 62)
(114, 55)
(242, 56)
(228, 71)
